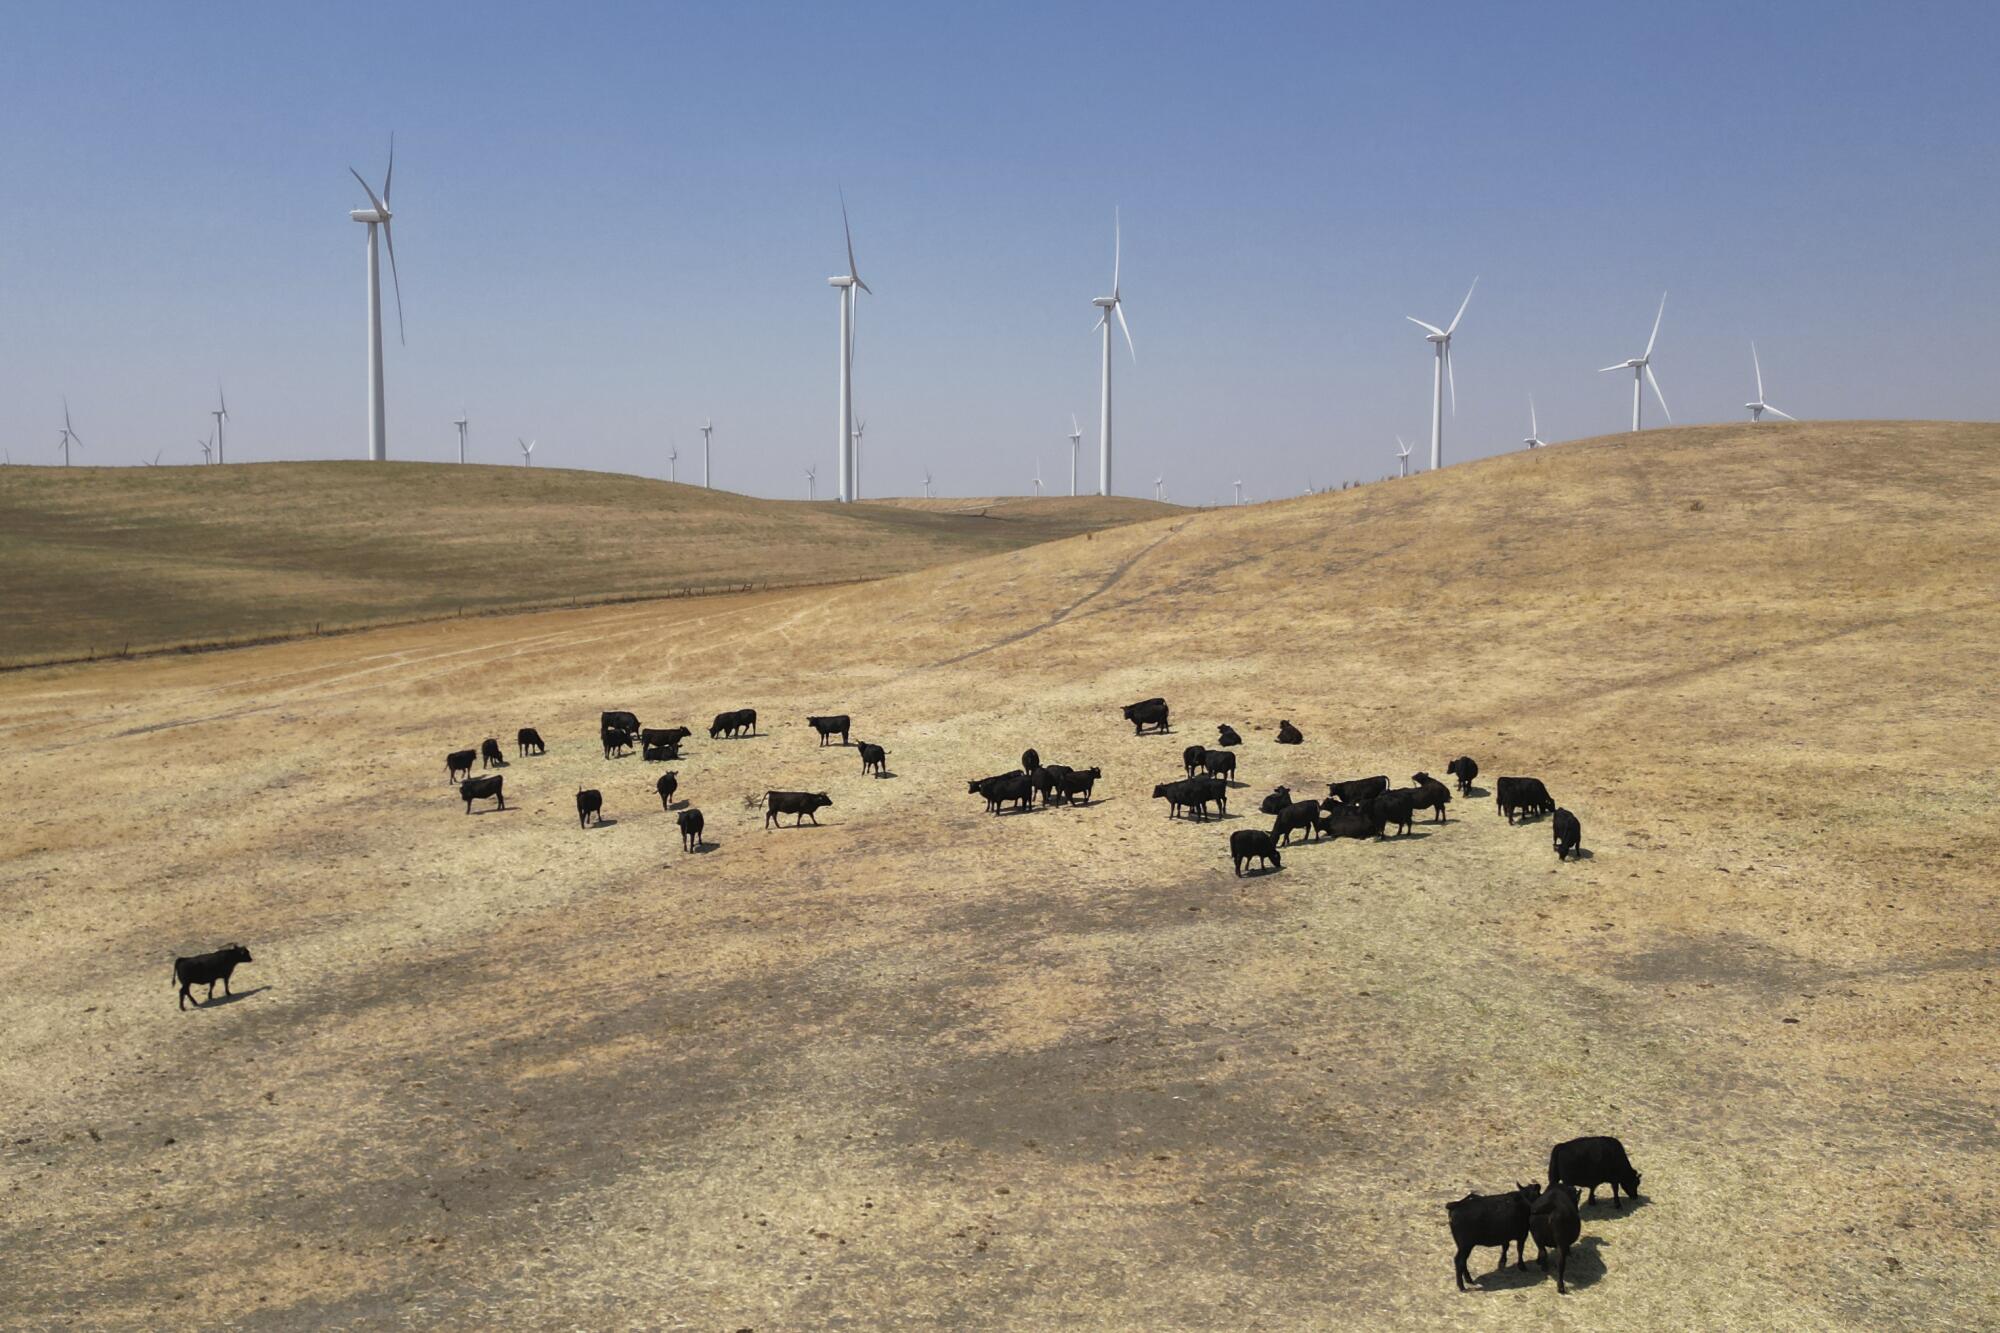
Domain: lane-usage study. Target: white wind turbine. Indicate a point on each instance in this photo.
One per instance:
(927, 483)
(812, 483)
(154, 461)
(1159, 488)
(1760, 407)
(69, 435)
(1239, 492)
(1534, 440)
(1107, 307)
(378, 216)
(1440, 339)
(1075, 440)
(849, 465)
(707, 429)
(221, 415)
(1038, 475)
(207, 448)
(1402, 458)
(673, 462)
(461, 424)
(527, 450)
(1642, 366)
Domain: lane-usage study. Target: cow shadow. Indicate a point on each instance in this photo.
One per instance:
(1582, 854)
(603, 821)
(1414, 835)
(230, 998)
(1475, 793)
(883, 775)
(495, 809)
(1019, 810)
(1258, 872)
(1602, 1211)
(1585, 1269)
(672, 806)
(706, 846)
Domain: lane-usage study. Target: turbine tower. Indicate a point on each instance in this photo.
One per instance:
(1402, 458)
(673, 462)
(527, 450)
(707, 429)
(461, 423)
(377, 215)
(69, 435)
(221, 415)
(1107, 307)
(1038, 476)
(1239, 492)
(1159, 488)
(1440, 339)
(845, 284)
(1760, 407)
(812, 483)
(1534, 440)
(1641, 366)
(1075, 439)
(927, 483)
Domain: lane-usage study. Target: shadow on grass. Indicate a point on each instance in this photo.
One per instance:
(1585, 1269)
(230, 998)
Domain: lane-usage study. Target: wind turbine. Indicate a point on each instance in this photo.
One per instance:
(527, 450)
(377, 216)
(1159, 488)
(860, 428)
(849, 481)
(1440, 339)
(1038, 476)
(1239, 492)
(673, 462)
(812, 483)
(1075, 439)
(221, 415)
(1642, 366)
(1402, 458)
(461, 423)
(707, 429)
(1760, 407)
(927, 483)
(207, 448)
(69, 435)
(1109, 306)
(154, 461)
(1534, 440)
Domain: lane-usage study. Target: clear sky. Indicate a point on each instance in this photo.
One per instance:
(615, 220)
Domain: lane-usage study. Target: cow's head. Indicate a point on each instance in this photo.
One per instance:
(236, 953)
(1421, 778)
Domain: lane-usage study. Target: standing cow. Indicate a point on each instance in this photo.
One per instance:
(669, 783)
(589, 805)
(1569, 834)
(829, 727)
(207, 969)
(1245, 843)
(1490, 1219)
(1147, 713)
(483, 789)
(1465, 770)
(1593, 1161)
(489, 754)
(690, 826)
(1555, 1225)
(458, 764)
(801, 804)
(529, 741)
(874, 759)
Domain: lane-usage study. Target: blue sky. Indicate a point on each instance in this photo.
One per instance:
(613, 221)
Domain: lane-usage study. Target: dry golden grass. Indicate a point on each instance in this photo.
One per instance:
(103, 561)
(926, 1067)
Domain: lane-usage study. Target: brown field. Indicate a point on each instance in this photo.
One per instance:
(103, 561)
(924, 1067)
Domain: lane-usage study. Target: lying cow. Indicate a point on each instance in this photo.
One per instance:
(528, 741)
(829, 727)
(1219, 763)
(1593, 1161)
(1357, 791)
(874, 759)
(1279, 798)
(1555, 1225)
(1298, 815)
(589, 805)
(489, 754)
(798, 803)
(458, 764)
(1431, 795)
(1522, 796)
(482, 789)
(1147, 713)
(1245, 843)
(1465, 770)
(668, 784)
(1569, 834)
(660, 754)
(1017, 787)
(1226, 735)
(1349, 821)
(690, 825)
(1289, 734)
(615, 742)
(205, 969)
(1491, 1219)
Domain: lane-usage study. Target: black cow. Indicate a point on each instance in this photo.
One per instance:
(1298, 815)
(1245, 843)
(1219, 763)
(1048, 781)
(1431, 795)
(1514, 796)
(731, 723)
(205, 969)
(1226, 735)
(1192, 794)
(1465, 770)
(618, 721)
(1553, 1221)
(690, 822)
(1147, 713)
(668, 784)
(1569, 834)
(665, 740)
(874, 759)
(1206, 790)
(489, 754)
(1079, 782)
(660, 754)
(1289, 734)
(828, 727)
(1590, 1162)
(1192, 757)
(458, 764)
(1279, 798)
(798, 803)
(615, 742)
(482, 789)
(1396, 807)
(990, 787)
(1030, 760)
(529, 741)
(588, 803)
(1357, 791)
(1491, 1219)
(1349, 821)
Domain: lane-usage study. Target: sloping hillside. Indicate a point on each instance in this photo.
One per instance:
(928, 1066)
(98, 560)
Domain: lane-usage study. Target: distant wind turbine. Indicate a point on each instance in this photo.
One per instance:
(155, 460)
(461, 424)
(1239, 492)
(812, 483)
(1534, 440)
(221, 415)
(1075, 439)
(707, 429)
(377, 216)
(69, 435)
(1038, 475)
(527, 450)
(1760, 407)
(1109, 306)
(1402, 458)
(673, 462)
(1159, 488)
(927, 483)
(846, 284)
(1440, 340)
(1642, 366)
(207, 448)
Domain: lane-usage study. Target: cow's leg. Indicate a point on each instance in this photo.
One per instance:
(211, 993)
(225, 985)
(1562, 1268)
(1458, 1269)
(1593, 1195)
(184, 995)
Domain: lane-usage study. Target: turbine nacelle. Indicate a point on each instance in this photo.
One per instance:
(368, 215)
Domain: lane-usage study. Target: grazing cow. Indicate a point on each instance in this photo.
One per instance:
(1357, 791)
(1396, 807)
(205, 969)
(1192, 758)
(668, 784)
(1219, 763)
(798, 803)
(1279, 798)
(1569, 833)
(1491, 1219)
(1553, 1222)
(482, 789)
(1030, 760)
(1593, 1161)
(618, 721)
(1048, 781)
(991, 787)
(588, 803)
(1431, 795)
(690, 823)
(616, 742)
(733, 723)
(1079, 782)
(1226, 735)
(829, 727)
(1349, 821)
(1289, 734)
(1245, 843)
(1465, 770)
(1298, 815)
(458, 764)
(1514, 796)
(489, 754)
(1147, 713)
(874, 759)
(528, 741)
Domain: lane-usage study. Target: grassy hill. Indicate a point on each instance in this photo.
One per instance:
(95, 559)
(1062, 1068)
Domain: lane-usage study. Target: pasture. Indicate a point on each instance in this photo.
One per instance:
(925, 1066)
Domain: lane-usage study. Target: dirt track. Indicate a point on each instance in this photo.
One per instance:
(924, 1066)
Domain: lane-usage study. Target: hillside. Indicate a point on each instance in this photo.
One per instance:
(925, 1066)
(95, 560)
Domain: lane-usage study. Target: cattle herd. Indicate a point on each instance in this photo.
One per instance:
(1361, 808)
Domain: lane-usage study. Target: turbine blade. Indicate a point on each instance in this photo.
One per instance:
(380, 207)
(1534, 426)
(1100, 321)
(848, 231)
(1760, 371)
(1776, 413)
(1657, 394)
(1453, 327)
(389, 180)
(1420, 324)
(1656, 325)
(389, 235)
(1117, 249)
(221, 400)
(1120, 308)
(1622, 365)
